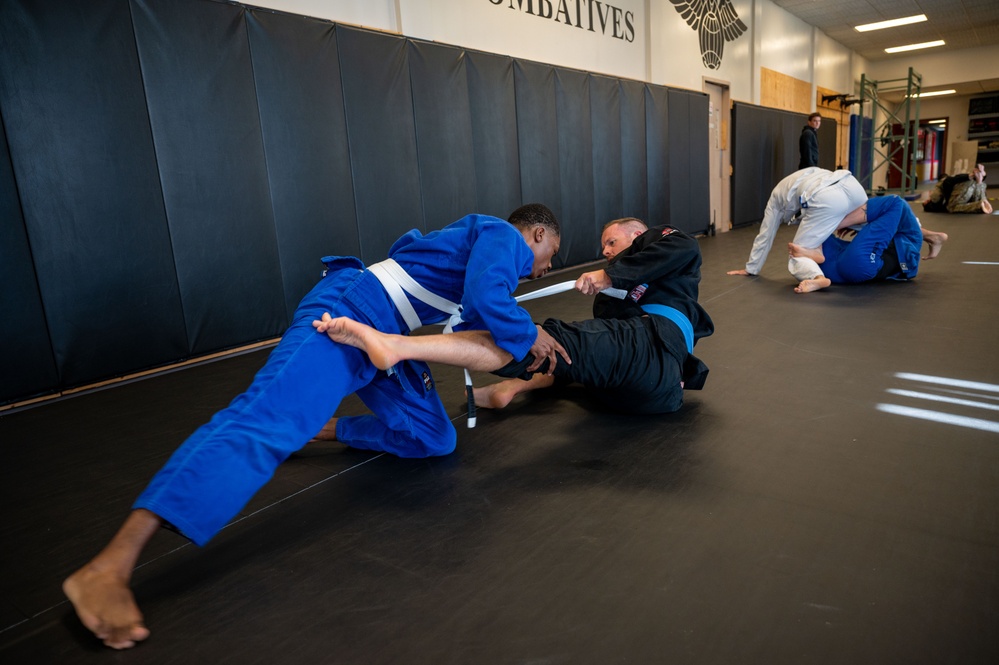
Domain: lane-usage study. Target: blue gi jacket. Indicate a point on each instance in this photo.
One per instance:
(477, 262)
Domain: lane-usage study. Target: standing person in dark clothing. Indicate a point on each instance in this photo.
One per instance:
(637, 358)
(808, 142)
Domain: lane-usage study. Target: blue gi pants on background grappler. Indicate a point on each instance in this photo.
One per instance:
(886, 247)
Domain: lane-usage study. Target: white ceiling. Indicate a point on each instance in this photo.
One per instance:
(961, 23)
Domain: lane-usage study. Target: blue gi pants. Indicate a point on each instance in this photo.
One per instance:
(861, 259)
(221, 466)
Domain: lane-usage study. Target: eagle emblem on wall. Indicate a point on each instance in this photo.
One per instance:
(715, 22)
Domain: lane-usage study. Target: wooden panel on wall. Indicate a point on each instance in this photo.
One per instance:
(784, 92)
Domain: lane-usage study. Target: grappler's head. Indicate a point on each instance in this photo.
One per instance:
(542, 232)
(618, 235)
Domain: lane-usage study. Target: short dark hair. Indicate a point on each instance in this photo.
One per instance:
(814, 115)
(535, 214)
(627, 222)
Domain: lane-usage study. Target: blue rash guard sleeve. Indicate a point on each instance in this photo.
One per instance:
(499, 257)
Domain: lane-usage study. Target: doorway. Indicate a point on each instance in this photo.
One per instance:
(933, 133)
(719, 156)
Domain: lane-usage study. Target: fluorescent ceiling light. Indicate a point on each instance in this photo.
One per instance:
(913, 47)
(936, 122)
(936, 93)
(891, 24)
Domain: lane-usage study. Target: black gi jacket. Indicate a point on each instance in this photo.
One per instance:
(662, 267)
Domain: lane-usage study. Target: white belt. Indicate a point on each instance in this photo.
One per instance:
(398, 283)
(562, 287)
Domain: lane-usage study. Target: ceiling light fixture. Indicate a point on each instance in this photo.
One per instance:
(936, 93)
(913, 47)
(891, 24)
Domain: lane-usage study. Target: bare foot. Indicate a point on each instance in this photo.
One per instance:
(347, 331)
(935, 240)
(809, 285)
(497, 395)
(106, 606)
(328, 432)
(799, 252)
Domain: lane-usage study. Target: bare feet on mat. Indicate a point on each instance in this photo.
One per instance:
(106, 606)
(809, 285)
(799, 252)
(497, 395)
(935, 240)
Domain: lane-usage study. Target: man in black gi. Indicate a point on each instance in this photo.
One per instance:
(808, 142)
(636, 357)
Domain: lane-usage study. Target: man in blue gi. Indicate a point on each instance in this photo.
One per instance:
(636, 358)
(469, 267)
(886, 246)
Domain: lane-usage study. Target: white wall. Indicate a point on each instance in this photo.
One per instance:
(377, 14)
(659, 46)
(675, 53)
(607, 37)
(785, 42)
(833, 64)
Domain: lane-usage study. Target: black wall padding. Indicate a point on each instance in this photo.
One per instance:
(827, 145)
(752, 163)
(699, 205)
(381, 132)
(764, 150)
(492, 103)
(605, 107)
(26, 363)
(172, 170)
(206, 129)
(689, 203)
(537, 133)
(575, 161)
(296, 71)
(657, 153)
(75, 116)
(634, 157)
(443, 132)
(788, 128)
